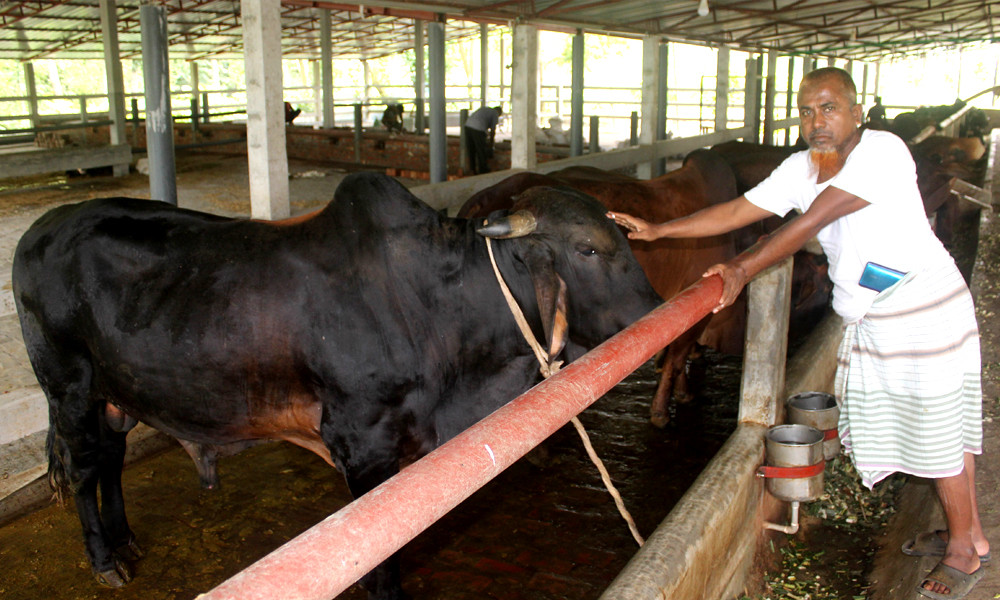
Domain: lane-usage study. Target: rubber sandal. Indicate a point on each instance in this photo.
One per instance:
(930, 543)
(959, 584)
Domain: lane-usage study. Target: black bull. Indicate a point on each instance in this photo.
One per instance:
(370, 332)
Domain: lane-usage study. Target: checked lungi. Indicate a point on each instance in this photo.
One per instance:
(908, 380)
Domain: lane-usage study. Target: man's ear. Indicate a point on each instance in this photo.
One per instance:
(859, 114)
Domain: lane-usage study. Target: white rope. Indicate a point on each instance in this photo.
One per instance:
(549, 369)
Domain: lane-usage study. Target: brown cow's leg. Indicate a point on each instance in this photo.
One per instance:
(659, 409)
(673, 379)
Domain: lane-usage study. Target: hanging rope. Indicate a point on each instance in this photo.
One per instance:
(549, 368)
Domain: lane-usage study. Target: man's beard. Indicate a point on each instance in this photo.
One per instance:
(826, 162)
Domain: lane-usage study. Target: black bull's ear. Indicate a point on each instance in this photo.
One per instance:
(550, 289)
(550, 293)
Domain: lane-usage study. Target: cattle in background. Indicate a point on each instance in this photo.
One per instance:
(670, 264)
(369, 332)
(940, 161)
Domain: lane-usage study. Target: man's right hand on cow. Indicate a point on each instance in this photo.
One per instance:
(638, 229)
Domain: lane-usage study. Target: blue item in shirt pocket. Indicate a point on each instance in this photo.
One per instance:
(876, 277)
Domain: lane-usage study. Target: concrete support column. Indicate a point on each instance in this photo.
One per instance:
(484, 63)
(789, 99)
(266, 152)
(418, 83)
(463, 142)
(503, 67)
(661, 106)
(524, 97)
(159, 123)
(116, 85)
(195, 89)
(368, 81)
(438, 143)
(863, 99)
(770, 90)
(317, 85)
(722, 90)
(358, 133)
(751, 106)
(32, 91)
(326, 66)
(652, 89)
(576, 101)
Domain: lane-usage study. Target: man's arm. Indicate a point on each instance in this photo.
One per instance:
(714, 220)
(831, 204)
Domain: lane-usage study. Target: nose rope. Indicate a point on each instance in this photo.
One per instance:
(548, 368)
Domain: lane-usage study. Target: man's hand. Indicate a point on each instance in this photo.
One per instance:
(638, 229)
(734, 279)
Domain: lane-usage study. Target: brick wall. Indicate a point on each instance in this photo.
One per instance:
(398, 154)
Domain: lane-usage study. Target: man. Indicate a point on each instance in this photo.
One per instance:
(480, 130)
(392, 118)
(876, 115)
(908, 376)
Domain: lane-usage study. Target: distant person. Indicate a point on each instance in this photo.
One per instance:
(291, 113)
(480, 131)
(392, 118)
(876, 116)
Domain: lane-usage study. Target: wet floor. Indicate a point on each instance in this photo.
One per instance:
(544, 529)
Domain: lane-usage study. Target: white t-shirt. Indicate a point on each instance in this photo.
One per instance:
(892, 231)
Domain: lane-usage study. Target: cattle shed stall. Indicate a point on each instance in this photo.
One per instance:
(665, 556)
(730, 485)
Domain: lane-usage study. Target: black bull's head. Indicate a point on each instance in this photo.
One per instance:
(571, 245)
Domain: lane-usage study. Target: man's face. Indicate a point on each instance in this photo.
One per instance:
(829, 119)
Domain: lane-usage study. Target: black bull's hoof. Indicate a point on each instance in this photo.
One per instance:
(116, 577)
(130, 550)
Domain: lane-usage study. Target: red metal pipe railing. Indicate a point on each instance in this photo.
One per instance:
(328, 558)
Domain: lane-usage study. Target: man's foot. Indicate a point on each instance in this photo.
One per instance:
(949, 583)
(933, 543)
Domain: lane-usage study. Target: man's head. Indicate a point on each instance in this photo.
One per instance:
(829, 115)
(499, 110)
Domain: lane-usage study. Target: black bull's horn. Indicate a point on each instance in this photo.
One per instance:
(518, 224)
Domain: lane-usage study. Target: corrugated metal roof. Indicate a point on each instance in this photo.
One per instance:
(857, 29)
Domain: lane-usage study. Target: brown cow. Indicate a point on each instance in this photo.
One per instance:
(670, 265)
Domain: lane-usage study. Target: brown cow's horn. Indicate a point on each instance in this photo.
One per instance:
(518, 224)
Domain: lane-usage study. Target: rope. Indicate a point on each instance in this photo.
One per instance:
(549, 369)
